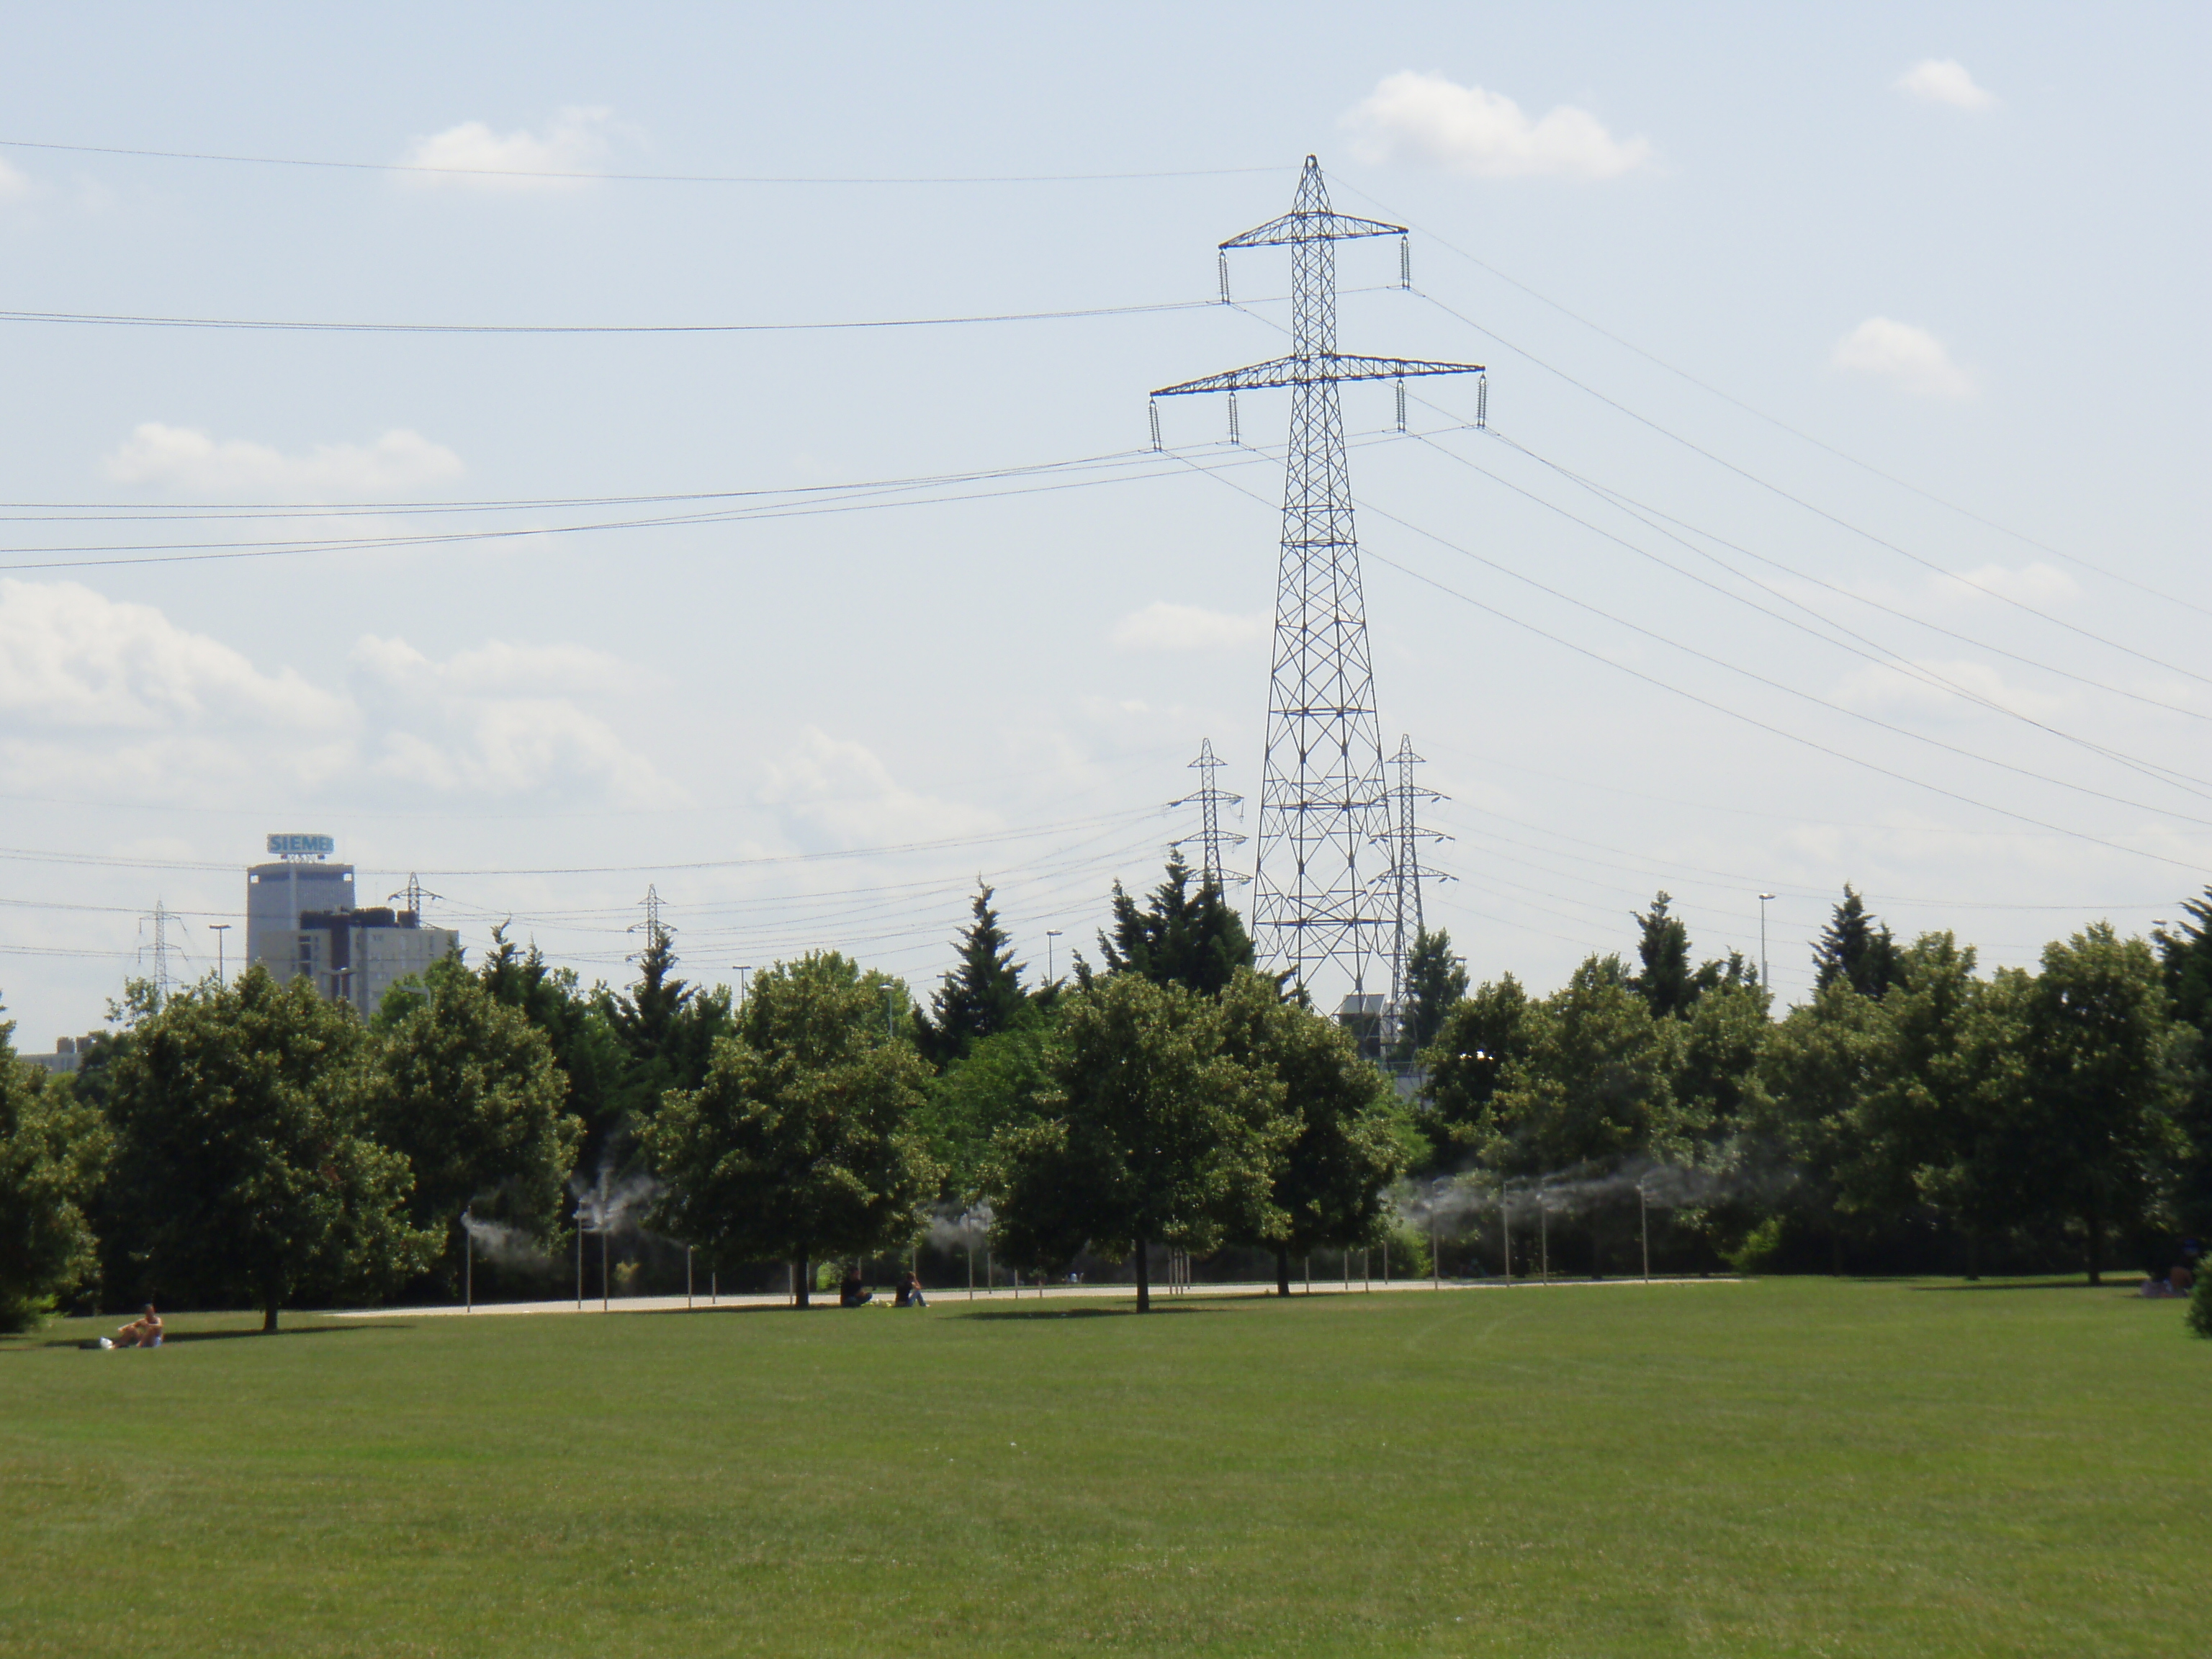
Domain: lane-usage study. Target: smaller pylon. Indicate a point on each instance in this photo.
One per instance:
(1209, 800)
(656, 931)
(410, 898)
(160, 947)
(1402, 878)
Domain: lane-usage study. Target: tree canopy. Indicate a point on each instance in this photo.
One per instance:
(1182, 935)
(54, 1150)
(980, 997)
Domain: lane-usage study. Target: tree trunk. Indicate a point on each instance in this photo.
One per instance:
(269, 1317)
(1282, 1270)
(1144, 1279)
(1973, 1257)
(2096, 1250)
(1836, 1251)
(804, 1279)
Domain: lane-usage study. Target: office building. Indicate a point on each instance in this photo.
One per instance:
(303, 916)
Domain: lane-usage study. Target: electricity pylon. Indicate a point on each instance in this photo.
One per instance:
(1404, 874)
(1322, 801)
(1210, 799)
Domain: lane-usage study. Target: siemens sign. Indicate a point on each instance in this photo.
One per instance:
(298, 846)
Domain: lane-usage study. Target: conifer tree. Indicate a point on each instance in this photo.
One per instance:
(1855, 949)
(1192, 938)
(980, 998)
(1435, 981)
(1666, 983)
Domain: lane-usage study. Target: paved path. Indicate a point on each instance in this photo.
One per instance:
(942, 1297)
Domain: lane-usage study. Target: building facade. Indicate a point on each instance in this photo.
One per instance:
(303, 917)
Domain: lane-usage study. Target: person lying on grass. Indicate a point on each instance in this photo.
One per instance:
(143, 1332)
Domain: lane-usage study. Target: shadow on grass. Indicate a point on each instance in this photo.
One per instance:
(1159, 1308)
(171, 1339)
(2110, 1283)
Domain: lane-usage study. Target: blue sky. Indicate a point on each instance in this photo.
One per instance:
(1962, 245)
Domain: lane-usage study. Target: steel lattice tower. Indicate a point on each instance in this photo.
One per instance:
(1404, 875)
(1210, 799)
(1323, 803)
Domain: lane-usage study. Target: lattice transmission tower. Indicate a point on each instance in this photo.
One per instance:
(1323, 804)
(1213, 838)
(1404, 875)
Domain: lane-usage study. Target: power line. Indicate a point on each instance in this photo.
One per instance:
(630, 178)
(1803, 436)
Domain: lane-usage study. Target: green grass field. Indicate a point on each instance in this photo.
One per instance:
(1787, 1467)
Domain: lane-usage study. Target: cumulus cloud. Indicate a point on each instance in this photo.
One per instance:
(476, 158)
(1879, 687)
(75, 659)
(1910, 357)
(1944, 81)
(15, 184)
(99, 693)
(844, 788)
(1483, 134)
(1161, 626)
(186, 458)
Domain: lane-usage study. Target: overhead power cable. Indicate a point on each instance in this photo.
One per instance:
(1776, 422)
(1817, 511)
(1716, 706)
(419, 168)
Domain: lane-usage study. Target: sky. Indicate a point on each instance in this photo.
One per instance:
(1839, 516)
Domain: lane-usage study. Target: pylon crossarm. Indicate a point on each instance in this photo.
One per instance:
(1309, 371)
(1322, 227)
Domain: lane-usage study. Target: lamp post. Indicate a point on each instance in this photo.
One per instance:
(218, 928)
(1763, 978)
(468, 1266)
(741, 968)
(1050, 935)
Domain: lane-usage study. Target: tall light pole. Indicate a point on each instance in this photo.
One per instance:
(1763, 978)
(741, 968)
(1050, 935)
(218, 928)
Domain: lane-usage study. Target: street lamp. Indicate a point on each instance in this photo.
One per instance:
(1763, 978)
(1050, 935)
(741, 968)
(218, 928)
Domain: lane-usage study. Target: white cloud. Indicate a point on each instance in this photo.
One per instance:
(186, 458)
(1880, 686)
(844, 788)
(1944, 81)
(1484, 134)
(98, 694)
(477, 158)
(74, 659)
(1912, 357)
(15, 184)
(1161, 626)
(2035, 583)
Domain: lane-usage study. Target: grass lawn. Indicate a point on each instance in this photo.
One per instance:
(1784, 1466)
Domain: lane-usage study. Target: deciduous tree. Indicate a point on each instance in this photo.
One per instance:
(53, 1151)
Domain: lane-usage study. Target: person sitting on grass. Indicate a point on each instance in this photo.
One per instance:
(852, 1293)
(909, 1293)
(143, 1332)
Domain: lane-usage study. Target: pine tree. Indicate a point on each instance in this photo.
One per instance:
(1193, 939)
(1667, 985)
(1856, 949)
(1435, 981)
(981, 998)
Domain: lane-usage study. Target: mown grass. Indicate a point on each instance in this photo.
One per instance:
(1788, 1466)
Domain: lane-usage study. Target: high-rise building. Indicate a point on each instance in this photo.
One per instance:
(302, 917)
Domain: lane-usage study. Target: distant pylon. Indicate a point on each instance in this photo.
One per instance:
(1323, 804)
(160, 948)
(1210, 799)
(412, 896)
(1403, 878)
(656, 931)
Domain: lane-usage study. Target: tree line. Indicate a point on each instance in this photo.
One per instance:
(254, 1144)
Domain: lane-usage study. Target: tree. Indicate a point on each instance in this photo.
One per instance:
(2104, 1072)
(466, 1087)
(1482, 1034)
(576, 1026)
(1157, 1136)
(801, 1141)
(1004, 1081)
(979, 998)
(1854, 949)
(1435, 981)
(1344, 1148)
(2185, 955)
(1193, 939)
(53, 1150)
(1821, 1064)
(1666, 983)
(1594, 1084)
(246, 1154)
(667, 1028)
